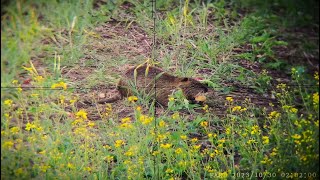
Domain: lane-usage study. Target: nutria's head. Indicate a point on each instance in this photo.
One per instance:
(193, 90)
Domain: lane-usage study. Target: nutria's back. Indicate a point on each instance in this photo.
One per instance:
(149, 79)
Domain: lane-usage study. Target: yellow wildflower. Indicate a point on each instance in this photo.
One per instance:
(315, 98)
(266, 160)
(316, 123)
(281, 86)
(294, 110)
(265, 140)
(228, 131)
(7, 144)
(296, 136)
(274, 152)
(194, 140)
(44, 168)
(70, 166)
(196, 147)
(212, 135)
(236, 108)
(161, 137)
(82, 114)
(138, 108)
(14, 81)
(243, 109)
(168, 171)
(91, 124)
(30, 126)
(77, 121)
(175, 115)
(145, 119)
(178, 151)
(162, 123)
(132, 99)
(251, 141)
(255, 129)
(274, 115)
(204, 124)
(182, 163)
(205, 108)
(221, 141)
(107, 146)
(171, 98)
(165, 146)
(88, 169)
(154, 153)
(38, 78)
(59, 85)
(18, 171)
(119, 143)
(125, 120)
(126, 125)
(229, 99)
(183, 137)
(108, 158)
(316, 76)
(8, 102)
(14, 130)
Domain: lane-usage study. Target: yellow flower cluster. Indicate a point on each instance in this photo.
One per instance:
(14, 130)
(265, 140)
(205, 108)
(175, 115)
(119, 143)
(266, 160)
(108, 109)
(7, 144)
(126, 123)
(238, 108)
(255, 130)
(108, 158)
(274, 115)
(8, 102)
(171, 99)
(145, 119)
(131, 151)
(33, 125)
(82, 114)
(183, 137)
(315, 98)
(178, 150)
(229, 99)
(132, 99)
(281, 86)
(316, 76)
(162, 123)
(165, 146)
(38, 78)
(204, 124)
(291, 109)
(59, 85)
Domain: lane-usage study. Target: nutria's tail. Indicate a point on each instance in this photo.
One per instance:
(109, 100)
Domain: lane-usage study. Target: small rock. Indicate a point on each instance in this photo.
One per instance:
(101, 95)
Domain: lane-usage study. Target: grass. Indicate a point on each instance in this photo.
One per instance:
(269, 127)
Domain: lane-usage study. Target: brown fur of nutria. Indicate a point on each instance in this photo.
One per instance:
(150, 79)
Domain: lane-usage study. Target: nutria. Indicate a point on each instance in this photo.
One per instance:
(150, 79)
